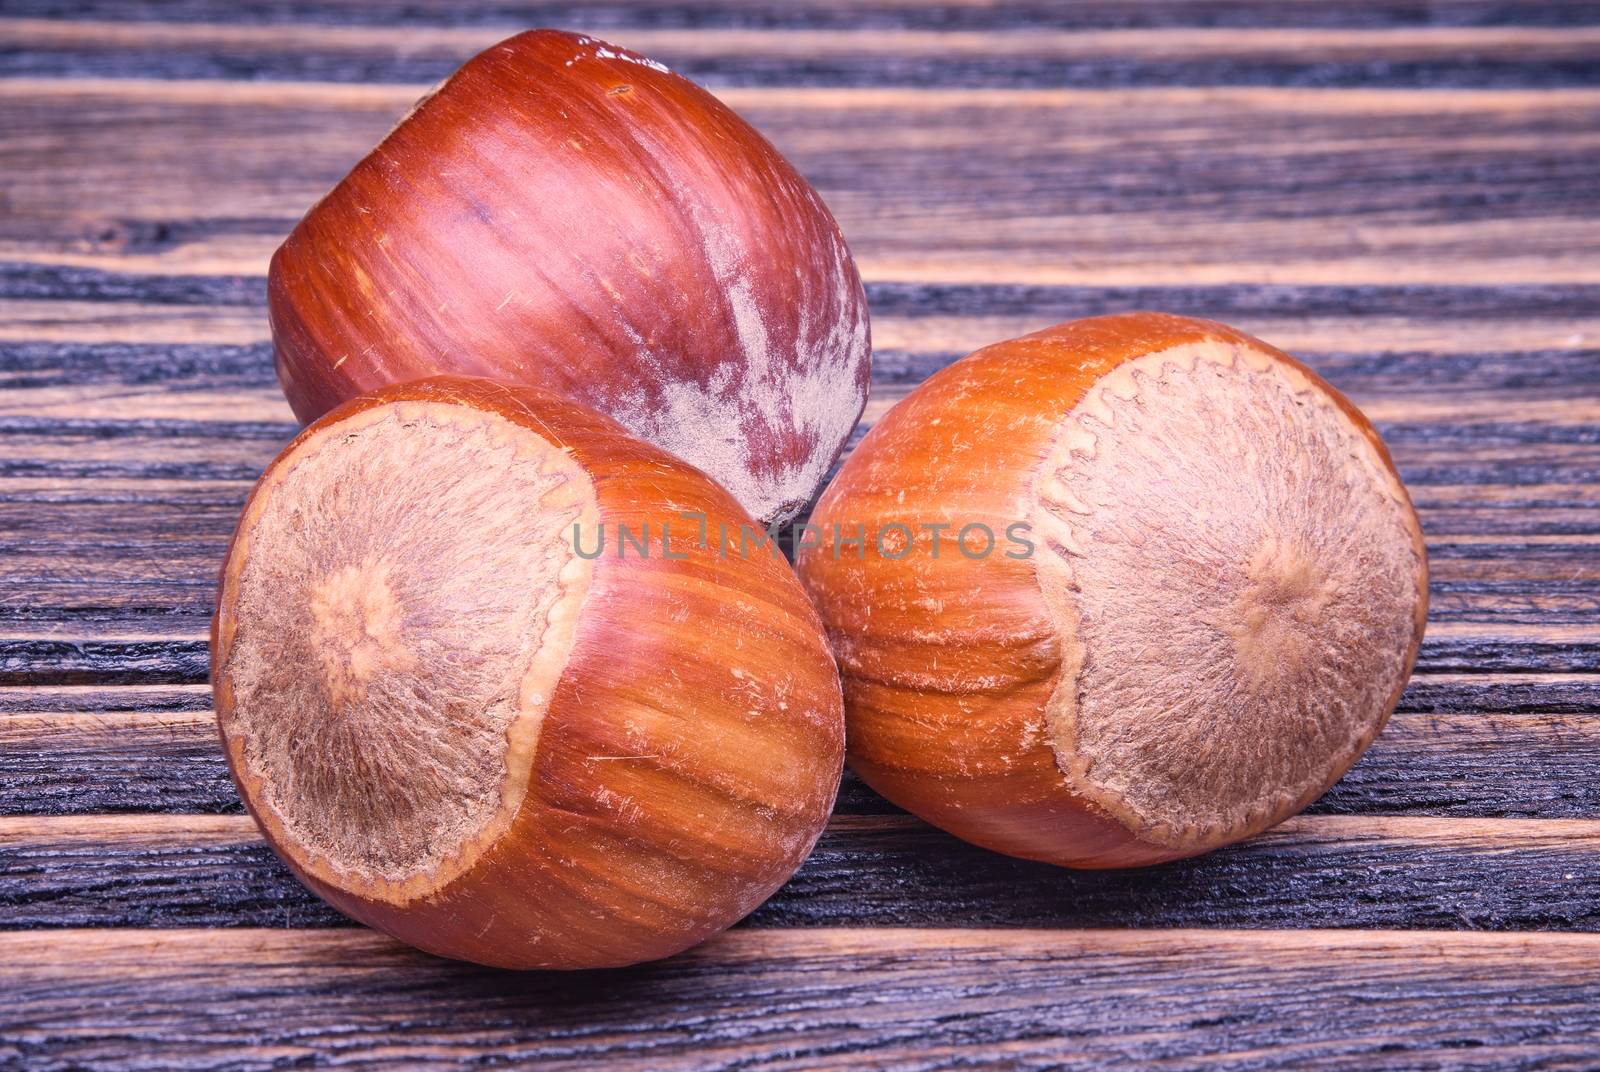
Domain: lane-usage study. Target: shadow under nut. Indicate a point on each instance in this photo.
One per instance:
(1226, 592)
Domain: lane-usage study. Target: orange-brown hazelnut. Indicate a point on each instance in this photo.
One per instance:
(459, 724)
(1208, 606)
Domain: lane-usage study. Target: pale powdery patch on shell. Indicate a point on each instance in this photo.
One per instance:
(814, 394)
(1233, 572)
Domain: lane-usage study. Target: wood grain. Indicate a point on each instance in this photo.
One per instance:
(767, 999)
(944, 186)
(173, 379)
(883, 870)
(127, 463)
(56, 699)
(1460, 745)
(1437, 57)
(949, 15)
(128, 571)
(1452, 647)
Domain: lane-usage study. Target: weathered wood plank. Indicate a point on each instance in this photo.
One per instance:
(95, 699)
(88, 381)
(1555, 442)
(183, 660)
(187, 384)
(829, 14)
(119, 661)
(1450, 647)
(91, 323)
(1459, 745)
(893, 870)
(98, 354)
(111, 577)
(1528, 511)
(84, 572)
(1487, 694)
(812, 999)
(1147, 186)
(1450, 316)
(71, 591)
(1434, 57)
(87, 763)
(116, 549)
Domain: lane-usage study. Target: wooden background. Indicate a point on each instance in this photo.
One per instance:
(1404, 193)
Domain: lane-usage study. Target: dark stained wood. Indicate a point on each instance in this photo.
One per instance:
(1442, 308)
(101, 577)
(84, 763)
(1460, 745)
(108, 662)
(1472, 648)
(126, 465)
(91, 699)
(1350, 188)
(1437, 57)
(883, 870)
(985, 15)
(814, 999)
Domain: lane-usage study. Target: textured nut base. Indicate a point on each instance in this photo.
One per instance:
(1233, 572)
(405, 592)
